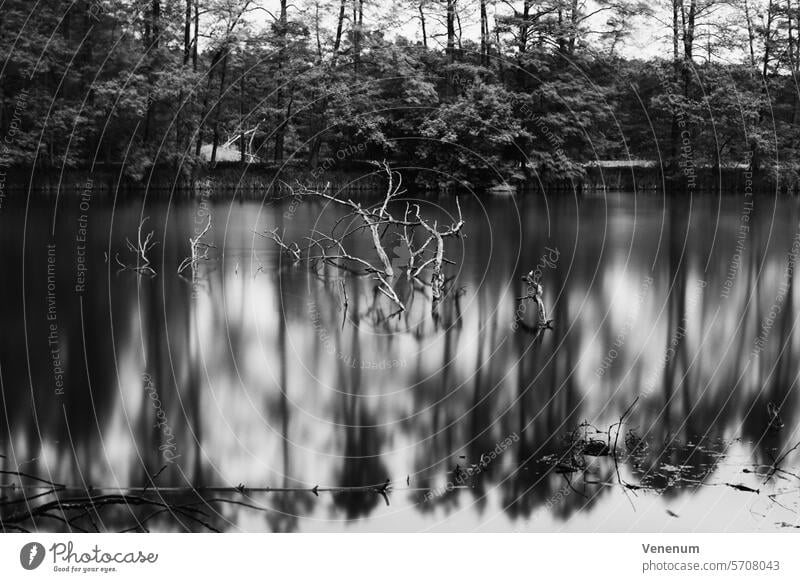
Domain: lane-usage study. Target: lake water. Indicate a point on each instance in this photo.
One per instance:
(250, 371)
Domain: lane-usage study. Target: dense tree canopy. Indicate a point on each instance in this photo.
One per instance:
(522, 89)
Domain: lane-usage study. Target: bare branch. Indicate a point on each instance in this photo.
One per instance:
(199, 250)
(378, 220)
(140, 250)
(292, 249)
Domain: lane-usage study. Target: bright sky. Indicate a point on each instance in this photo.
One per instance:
(649, 34)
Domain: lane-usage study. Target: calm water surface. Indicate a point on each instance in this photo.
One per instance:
(251, 372)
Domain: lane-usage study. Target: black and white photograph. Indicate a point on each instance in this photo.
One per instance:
(367, 271)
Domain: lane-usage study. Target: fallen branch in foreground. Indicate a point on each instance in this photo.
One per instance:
(776, 465)
(70, 504)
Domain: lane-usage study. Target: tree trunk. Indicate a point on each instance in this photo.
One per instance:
(316, 31)
(484, 35)
(187, 33)
(750, 34)
(793, 60)
(152, 34)
(281, 129)
(156, 15)
(790, 47)
(337, 41)
(218, 106)
(688, 31)
(358, 21)
(499, 60)
(688, 45)
(199, 143)
(187, 49)
(451, 29)
(677, 7)
(422, 21)
(768, 39)
(242, 146)
(214, 62)
(316, 144)
(573, 30)
(458, 21)
(523, 27)
(196, 32)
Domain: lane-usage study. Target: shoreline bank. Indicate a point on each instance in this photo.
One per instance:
(267, 180)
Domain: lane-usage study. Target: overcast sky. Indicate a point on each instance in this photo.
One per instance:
(648, 38)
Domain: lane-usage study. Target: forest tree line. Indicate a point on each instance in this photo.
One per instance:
(462, 87)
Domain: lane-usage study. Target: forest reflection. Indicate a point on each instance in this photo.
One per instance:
(262, 378)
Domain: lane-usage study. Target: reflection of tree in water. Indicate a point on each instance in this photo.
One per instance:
(451, 400)
(285, 509)
(546, 407)
(43, 430)
(363, 440)
(483, 432)
(775, 399)
(675, 369)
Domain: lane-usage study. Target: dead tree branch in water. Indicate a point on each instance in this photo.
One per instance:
(533, 293)
(345, 302)
(618, 424)
(379, 223)
(291, 249)
(199, 250)
(438, 236)
(140, 250)
(776, 465)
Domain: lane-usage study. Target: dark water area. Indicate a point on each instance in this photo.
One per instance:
(675, 314)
